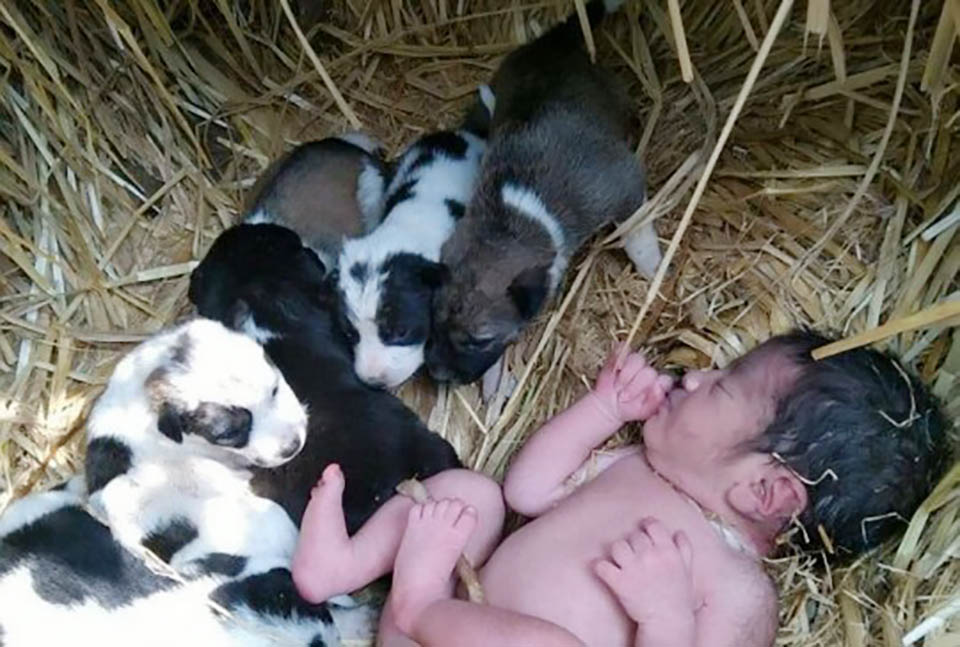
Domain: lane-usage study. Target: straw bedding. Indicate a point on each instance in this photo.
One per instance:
(129, 131)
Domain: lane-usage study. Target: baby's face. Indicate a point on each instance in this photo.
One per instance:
(696, 436)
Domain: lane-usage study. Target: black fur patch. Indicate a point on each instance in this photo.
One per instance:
(403, 314)
(316, 642)
(404, 192)
(529, 290)
(456, 208)
(359, 271)
(221, 564)
(445, 142)
(271, 593)
(425, 158)
(107, 458)
(167, 540)
(73, 558)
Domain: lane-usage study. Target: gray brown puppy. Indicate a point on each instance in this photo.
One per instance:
(325, 191)
(558, 167)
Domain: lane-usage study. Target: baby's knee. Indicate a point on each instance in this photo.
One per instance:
(474, 488)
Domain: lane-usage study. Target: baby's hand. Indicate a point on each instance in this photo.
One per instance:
(628, 388)
(650, 573)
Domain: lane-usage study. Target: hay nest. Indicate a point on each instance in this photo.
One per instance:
(129, 132)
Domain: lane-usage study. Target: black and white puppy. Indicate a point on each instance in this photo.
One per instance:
(260, 279)
(387, 278)
(172, 440)
(325, 191)
(65, 580)
(558, 168)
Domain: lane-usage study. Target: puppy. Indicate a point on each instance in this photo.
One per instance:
(558, 168)
(260, 279)
(387, 278)
(324, 190)
(172, 440)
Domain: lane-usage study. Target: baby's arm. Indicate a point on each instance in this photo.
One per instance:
(626, 389)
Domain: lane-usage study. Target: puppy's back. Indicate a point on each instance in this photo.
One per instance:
(553, 73)
(324, 190)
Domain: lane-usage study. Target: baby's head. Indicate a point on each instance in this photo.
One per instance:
(849, 445)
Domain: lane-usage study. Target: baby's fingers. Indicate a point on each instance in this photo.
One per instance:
(608, 572)
(630, 367)
(686, 550)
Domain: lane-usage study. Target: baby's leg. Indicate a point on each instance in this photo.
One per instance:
(327, 562)
(420, 609)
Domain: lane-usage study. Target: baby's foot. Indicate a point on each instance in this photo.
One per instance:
(435, 537)
(321, 563)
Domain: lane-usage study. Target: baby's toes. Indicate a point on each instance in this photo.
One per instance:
(450, 509)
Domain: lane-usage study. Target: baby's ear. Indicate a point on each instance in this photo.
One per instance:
(768, 493)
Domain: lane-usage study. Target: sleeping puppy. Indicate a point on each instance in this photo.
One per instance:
(324, 190)
(387, 278)
(557, 169)
(261, 280)
(172, 441)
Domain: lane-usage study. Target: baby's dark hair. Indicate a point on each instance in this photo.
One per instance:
(867, 437)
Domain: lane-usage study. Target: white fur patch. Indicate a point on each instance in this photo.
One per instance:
(370, 193)
(529, 204)
(362, 141)
(260, 335)
(643, 249)
(487, 97)
(260, 217)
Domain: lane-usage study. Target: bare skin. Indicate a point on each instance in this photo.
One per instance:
(327, 562)
(621, 550)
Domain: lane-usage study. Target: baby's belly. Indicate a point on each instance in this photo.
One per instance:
(545, 570)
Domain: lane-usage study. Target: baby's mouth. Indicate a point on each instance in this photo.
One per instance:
(674, 397)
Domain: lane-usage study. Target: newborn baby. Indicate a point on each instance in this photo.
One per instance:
(661, 544)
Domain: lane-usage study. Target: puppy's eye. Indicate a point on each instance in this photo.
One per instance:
(276, 387)
(478, 343)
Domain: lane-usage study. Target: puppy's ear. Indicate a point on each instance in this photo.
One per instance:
(529, 290)
(434, 274)
(238, 314)
(310, 268)
(171, 422)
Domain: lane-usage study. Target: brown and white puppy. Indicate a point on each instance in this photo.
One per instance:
(558, 167)
(324, 190)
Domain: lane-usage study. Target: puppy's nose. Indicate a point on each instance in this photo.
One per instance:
(290, 449)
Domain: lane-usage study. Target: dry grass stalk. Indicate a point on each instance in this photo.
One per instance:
(128, 131)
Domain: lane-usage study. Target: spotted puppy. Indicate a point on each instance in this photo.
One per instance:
(172, 440)
(171, 443)
(387, 278)
(324, 190)
(557, 169)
